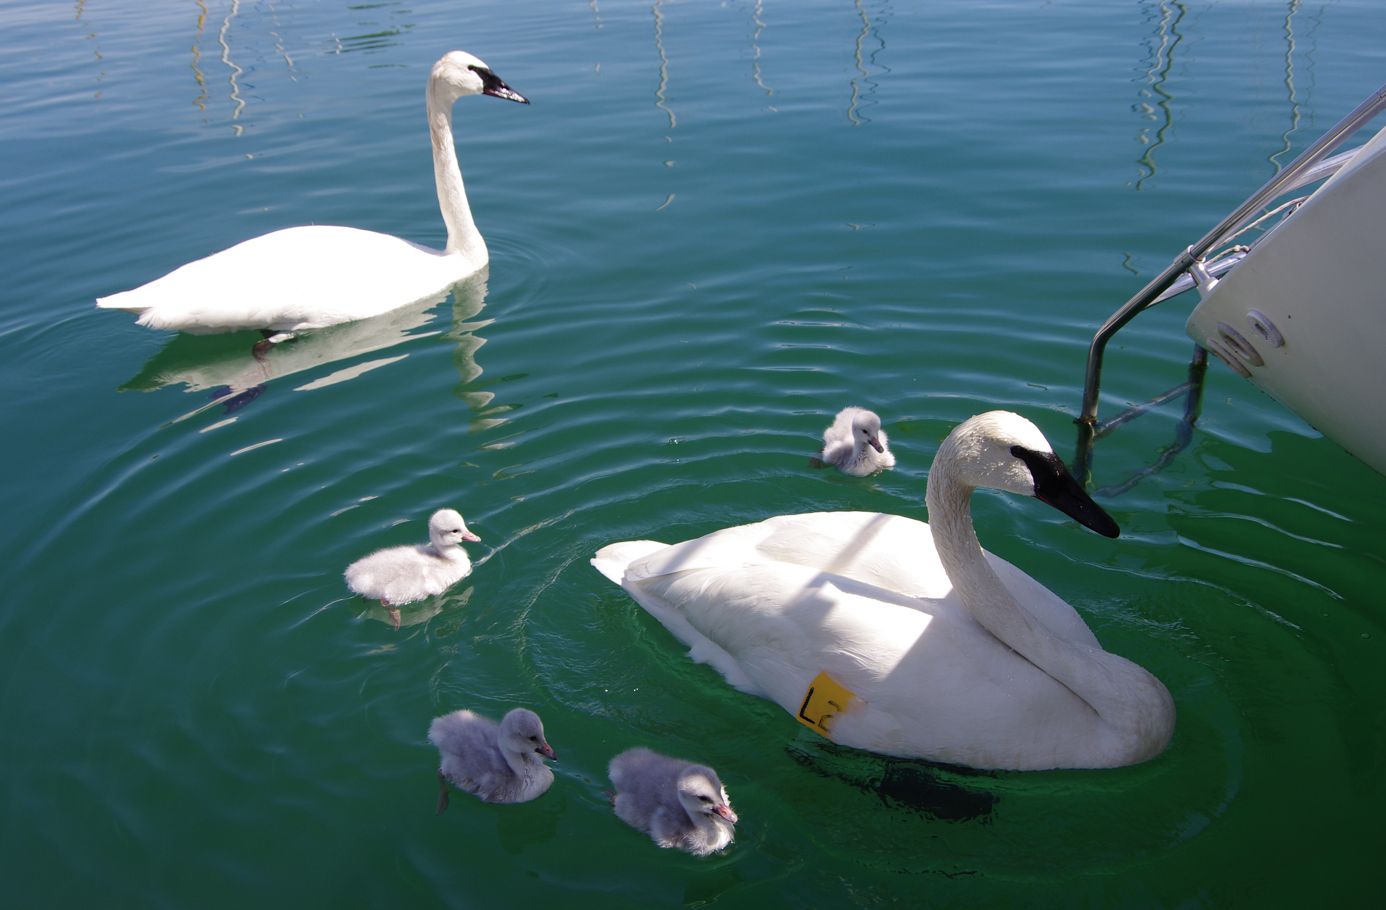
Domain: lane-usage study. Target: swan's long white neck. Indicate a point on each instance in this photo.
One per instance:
(978, 586)
(463, 237)
(1124, 695)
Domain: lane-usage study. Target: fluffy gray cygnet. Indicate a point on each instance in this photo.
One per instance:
(496, 762)
(856, 444)
(677, 803)
(401, 575)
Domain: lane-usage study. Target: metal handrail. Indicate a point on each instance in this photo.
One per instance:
(1297, 174)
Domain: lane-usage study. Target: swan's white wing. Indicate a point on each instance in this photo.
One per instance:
(929, 680)
(1043, 604)
(933, 685)
(615, 560)
(887, 551)
(293, 279)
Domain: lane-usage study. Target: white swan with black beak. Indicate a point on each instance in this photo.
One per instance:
(308, 277)
(905, 638)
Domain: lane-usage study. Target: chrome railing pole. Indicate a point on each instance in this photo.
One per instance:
(1274, 187)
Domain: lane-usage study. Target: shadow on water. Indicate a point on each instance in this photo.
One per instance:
(937, 791)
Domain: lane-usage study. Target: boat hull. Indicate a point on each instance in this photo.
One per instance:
(1303, 316)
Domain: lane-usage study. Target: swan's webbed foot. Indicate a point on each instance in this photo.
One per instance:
(260, 349)
(238, 401)
(274, 336)
(234, 402)
(442, 793)
(393, 613)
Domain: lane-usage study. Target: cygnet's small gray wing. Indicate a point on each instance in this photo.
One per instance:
(839, 443)
(647, 789)
(384, 571)
(469, 755)
(401, 575)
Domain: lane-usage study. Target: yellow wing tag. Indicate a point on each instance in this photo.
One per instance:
(823, 701)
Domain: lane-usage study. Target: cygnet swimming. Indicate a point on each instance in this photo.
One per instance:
(498, 763)
(677, 803)
(856, 444)
(401, 575)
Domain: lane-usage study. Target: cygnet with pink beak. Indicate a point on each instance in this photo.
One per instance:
(498, 763)
(856, 444)
(401, 575)
(677, 803)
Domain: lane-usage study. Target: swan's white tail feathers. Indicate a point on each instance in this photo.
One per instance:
(153, 318)
(701, 649)
(612, 560)
(114, 302)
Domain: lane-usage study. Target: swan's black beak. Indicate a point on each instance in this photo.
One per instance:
(1055, 485)
(875, 443)
(491, 84)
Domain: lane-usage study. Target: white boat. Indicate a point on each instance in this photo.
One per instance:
(1301, 312)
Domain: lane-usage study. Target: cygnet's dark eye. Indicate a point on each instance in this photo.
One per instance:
(706, 799)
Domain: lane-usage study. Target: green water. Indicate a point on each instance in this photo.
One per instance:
(717, 224)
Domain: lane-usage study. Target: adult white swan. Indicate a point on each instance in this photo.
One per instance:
(907, 638)
(318, 275)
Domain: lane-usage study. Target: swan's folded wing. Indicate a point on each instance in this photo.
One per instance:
(770, 629)
(888, 551)
(293, 279)
(1043, 604)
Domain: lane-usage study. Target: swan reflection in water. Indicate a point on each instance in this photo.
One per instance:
(234, 374)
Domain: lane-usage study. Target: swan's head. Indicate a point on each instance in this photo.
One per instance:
(866, 429)
(1005, 451)
(521, 732)
(446, 529)
(701, 793)
(459, 73)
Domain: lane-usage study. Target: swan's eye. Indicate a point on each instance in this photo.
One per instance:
(706, 799)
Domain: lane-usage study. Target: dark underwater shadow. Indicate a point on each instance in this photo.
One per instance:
(937, 791)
